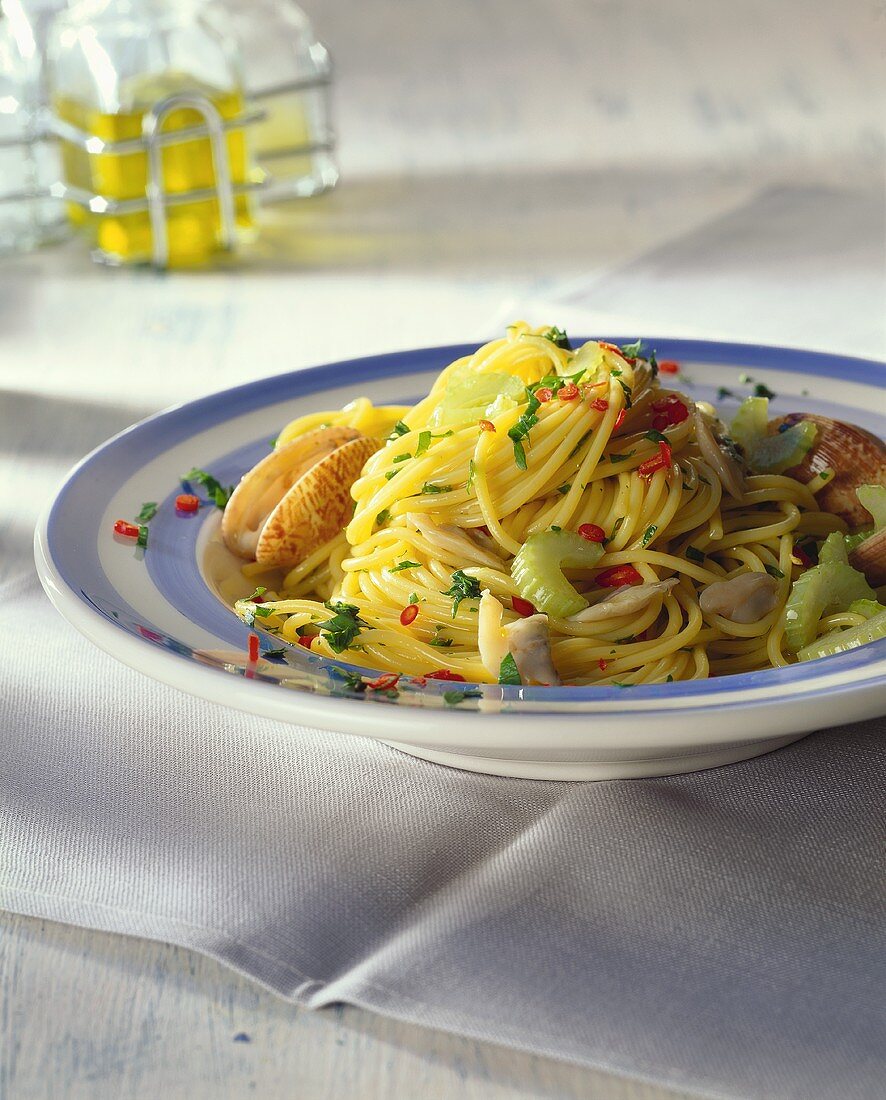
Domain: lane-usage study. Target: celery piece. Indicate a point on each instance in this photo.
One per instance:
(838, 641)
(469, 395)
(857, 538)
(827, 587)
(833, 549)
(868, 608)
(773, 454)
(769, 454)
(750, 422)
(873, 498)
(538, 574)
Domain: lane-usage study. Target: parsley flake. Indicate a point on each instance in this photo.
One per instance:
(404, 565)
(430, 487)
(774, 571)
(216, 492)
(508, 673)
(463, 587)
(343, 627)
(558, 337)
(148, 511)
(424, 441)
(648, 535)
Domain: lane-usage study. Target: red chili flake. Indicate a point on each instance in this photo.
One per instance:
(618, 576)
(187, 502)
(800, 557)
(601, 664)
(592, 532)
(487, 426)
(672, 409)
(661, 421)
(445, 674)
(668, 366)
(386, 682)
(419, 681)
(569, 392)
(408, 614)
(151, 635)
(126, 529)
(522, 607)
(619, 420)
(253, 648)
(544, 394)
(661, 461)
(610, 347)
(306, 640)
(600, 404)
(587, 387)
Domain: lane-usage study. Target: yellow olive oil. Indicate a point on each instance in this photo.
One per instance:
(193, 228)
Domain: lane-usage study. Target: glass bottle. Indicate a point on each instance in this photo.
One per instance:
(288, 75)
(29, 216)
(121, 70)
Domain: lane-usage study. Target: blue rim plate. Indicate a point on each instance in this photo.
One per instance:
(155, 612)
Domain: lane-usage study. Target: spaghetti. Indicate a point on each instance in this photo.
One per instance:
(529, 467)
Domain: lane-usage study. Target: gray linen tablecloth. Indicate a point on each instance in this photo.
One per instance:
(719, 931)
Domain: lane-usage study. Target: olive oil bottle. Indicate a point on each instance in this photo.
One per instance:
(113, 63)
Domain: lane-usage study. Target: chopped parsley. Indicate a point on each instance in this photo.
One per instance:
(424, 441)
(354, 681)
(745, 379)
(383, 516)
(142, 539)
(520, 430)
(508, 673)
(694, 555)
(430, 487)
(632, 351)
(399, 429)
(148, 511)
(763, 391)
(469, 484)
(622, 458)
(453, 698)
(656, 437)
(723, 392)
(216, 492)
(260, 591)
(648, 535)
(774, 571)
(578, 446)
(414, 597)
(401, 458)
(404, 565)
(627, 392)
(558, 336)
(441, 643)
(272, 654)
(564, 489)
(463, 588)
(343, 627)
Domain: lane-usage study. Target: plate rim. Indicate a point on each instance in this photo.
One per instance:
(74, 607)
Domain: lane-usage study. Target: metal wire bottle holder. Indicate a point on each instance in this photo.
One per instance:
(157, 200)
(154, 139)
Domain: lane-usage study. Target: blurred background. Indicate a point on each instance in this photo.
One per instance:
(653, 167)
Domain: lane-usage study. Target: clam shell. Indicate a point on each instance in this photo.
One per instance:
(869, 557)
(264, 486)
(316, 508)
(856, 456)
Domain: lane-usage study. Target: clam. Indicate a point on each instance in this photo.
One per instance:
(869, 557)
(856, 456)
(717, 457)
(316, 508)
(746, 598)
(261, 490)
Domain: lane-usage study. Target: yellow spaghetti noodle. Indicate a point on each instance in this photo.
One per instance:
(577, 450)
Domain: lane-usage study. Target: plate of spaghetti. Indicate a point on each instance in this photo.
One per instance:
(540, 557)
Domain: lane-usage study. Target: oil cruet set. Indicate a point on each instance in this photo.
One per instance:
(157, 129)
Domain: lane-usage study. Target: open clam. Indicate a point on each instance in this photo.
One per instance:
(261, 491)
(856, 456)
(317, 506)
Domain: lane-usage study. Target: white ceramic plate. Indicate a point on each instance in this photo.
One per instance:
(154, 611)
